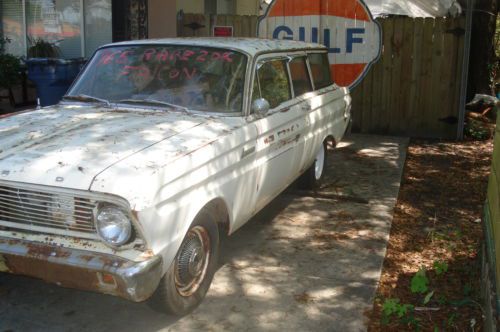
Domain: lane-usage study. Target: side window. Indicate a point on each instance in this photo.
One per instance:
(272, 83)
(300, 76)
(320, 68)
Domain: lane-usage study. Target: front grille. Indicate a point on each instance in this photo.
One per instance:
(47, 212)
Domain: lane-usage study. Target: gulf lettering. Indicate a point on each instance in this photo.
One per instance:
(285, 29)
(350, 40)
(353, 36)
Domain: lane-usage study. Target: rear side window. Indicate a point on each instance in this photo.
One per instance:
(300, 76)
(320, 68)
(272, 83)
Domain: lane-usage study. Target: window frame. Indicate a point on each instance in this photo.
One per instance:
(305, 55)
(332, 81)
(268, 58)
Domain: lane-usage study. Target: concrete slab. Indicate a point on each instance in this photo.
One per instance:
(308, 261)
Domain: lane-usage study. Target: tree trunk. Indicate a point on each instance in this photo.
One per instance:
(482, 54)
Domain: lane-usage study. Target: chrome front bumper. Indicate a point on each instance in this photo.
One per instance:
(72, 268)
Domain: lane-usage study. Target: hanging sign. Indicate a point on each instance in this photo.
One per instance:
(223, 31)
(345, 27)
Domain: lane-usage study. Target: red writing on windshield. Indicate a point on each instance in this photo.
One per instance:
(163, 56)
(172, 73)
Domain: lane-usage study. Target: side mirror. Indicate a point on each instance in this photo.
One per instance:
(260, 107)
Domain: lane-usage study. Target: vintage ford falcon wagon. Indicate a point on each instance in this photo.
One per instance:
(158, 148)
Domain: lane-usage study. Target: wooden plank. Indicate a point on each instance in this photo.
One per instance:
(245, 26)
(205, 30)
(413, 107)
(230, 21)
(367, 100)
(377, 91)
(425, 84)
(402, 124)
(253, 26)
(357, 107)
(460, 23)
(397, 46)
(220, 20)
(433, 112)
(494, 201)
(448, 83)
(381, 123)
(185, 31)
(238, 26)
(496, 153)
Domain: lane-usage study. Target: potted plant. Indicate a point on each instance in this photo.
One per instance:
(51, 74)
(40, 48)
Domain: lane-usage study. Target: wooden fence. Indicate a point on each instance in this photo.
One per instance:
(413, 90)
(201, 25)
(491, 227)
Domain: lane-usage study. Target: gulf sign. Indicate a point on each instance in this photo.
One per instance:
(345, 27)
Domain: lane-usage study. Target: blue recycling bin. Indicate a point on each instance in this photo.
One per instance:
(53, 77)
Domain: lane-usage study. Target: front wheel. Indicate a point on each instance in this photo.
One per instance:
(189, 276)
(313, 176)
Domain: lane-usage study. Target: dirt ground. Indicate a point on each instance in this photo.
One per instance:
(436, 228)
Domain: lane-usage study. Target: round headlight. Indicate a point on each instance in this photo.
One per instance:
(113, 225)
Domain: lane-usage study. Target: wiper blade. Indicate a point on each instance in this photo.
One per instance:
(153, 102)
(82, 97)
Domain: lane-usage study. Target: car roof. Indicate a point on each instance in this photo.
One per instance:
(251, 46)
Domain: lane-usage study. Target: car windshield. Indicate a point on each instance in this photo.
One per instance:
(182, 77)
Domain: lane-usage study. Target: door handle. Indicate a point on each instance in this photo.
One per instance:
(305, 107)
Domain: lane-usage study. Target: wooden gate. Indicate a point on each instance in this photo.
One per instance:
(414, 89)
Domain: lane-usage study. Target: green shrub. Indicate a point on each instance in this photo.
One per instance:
(10, 67)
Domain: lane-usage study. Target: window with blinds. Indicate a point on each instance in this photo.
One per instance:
(77, 31)
(13, 26)
(98, 25)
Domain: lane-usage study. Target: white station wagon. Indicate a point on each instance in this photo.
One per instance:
(159, 148)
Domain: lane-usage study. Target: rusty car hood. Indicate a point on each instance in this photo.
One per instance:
(68, 146)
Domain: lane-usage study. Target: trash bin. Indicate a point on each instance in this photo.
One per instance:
(53, 77)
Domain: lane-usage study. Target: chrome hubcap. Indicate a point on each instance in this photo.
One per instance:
(192, 261)
(319, 163)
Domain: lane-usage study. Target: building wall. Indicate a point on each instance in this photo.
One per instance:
(162, 18)
(226, 7)
(247, 7)
(191, 6)
(238, 7)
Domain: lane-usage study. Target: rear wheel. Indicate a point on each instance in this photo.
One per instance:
(312, 177)
(189, 276)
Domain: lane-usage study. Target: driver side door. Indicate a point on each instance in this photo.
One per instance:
(279, 131)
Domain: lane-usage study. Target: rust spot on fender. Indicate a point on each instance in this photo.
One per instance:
(111, 262)
(65, 276)
(43, 251)
(86, 258)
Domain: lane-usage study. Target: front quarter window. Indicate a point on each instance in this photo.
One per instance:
(272, 83)
(198, 78)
